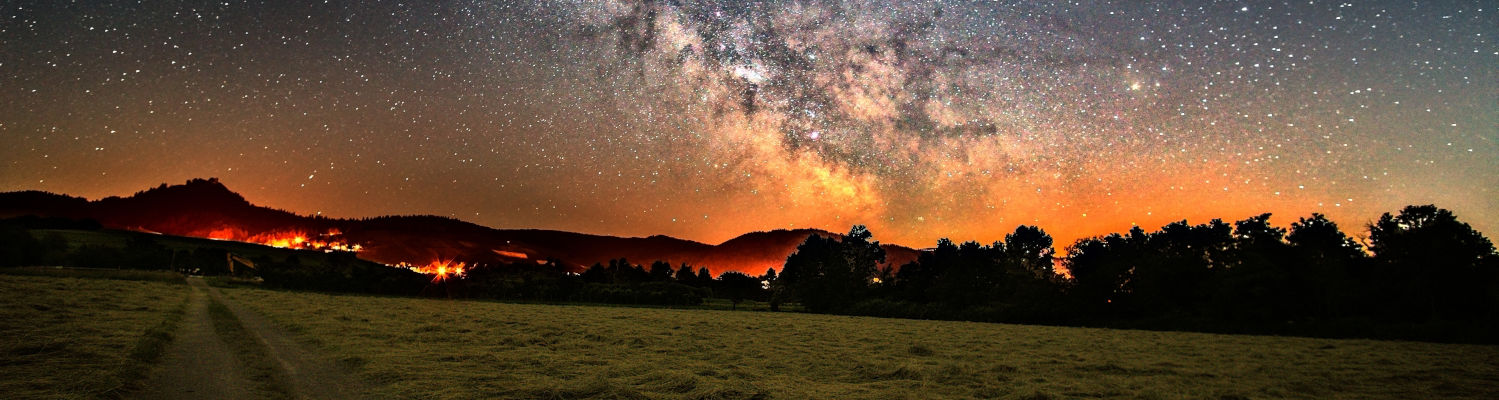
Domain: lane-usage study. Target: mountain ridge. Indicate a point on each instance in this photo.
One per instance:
(209, 209)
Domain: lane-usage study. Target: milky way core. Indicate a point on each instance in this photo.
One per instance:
(707, 119)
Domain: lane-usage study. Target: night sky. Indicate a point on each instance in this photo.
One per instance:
(707, 119)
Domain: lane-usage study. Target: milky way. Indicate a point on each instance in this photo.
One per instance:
(705, 119)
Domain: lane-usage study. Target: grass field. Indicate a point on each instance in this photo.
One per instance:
(416, 348)
(78, 336)
(96, 273)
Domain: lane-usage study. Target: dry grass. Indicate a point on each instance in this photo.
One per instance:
(96, 273)
(65, 337)
(414, 348)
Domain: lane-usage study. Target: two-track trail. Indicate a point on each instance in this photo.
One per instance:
(201, 363)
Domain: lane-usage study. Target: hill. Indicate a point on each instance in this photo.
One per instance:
(206, 208)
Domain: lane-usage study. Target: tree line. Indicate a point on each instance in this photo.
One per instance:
(619, 281)
(1424, 274)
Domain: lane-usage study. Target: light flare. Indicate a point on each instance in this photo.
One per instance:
(441, 270)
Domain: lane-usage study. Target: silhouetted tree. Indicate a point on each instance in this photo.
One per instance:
(596, 274)
(917, 281)
(685, 275)
(1030, 269)
(736, 286)
(807, 275)
(1102, 269)
(864, 256)
(1029, 249)
(622, 271)
(970, 274)
(1433, 263)
(661, 271)
(1170, 276)
(828, 274)
(1333, 266)
(1323, 238)
(1257, 282)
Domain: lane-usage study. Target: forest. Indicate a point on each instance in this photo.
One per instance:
(1423, 275)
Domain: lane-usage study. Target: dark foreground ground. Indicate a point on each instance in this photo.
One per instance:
(278, 344)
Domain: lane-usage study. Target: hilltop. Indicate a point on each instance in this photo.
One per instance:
(207, 208)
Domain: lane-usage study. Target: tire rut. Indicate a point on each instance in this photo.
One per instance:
(198, 364)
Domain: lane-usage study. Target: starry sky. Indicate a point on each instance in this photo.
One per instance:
(705, 119)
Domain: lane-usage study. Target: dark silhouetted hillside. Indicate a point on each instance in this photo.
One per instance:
(207, 208)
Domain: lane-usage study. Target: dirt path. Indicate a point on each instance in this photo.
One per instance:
(198, 364)
(312, 375)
